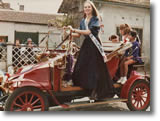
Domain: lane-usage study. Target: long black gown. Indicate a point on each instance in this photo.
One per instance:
(90, 71)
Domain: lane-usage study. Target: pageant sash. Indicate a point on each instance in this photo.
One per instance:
(97, 44)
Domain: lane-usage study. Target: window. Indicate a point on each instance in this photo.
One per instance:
(23, 36)
(3, 38)
(138, 30)
(21, 7)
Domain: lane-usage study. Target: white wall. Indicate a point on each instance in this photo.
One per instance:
(7, 29)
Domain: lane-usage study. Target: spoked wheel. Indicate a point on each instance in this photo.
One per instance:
(27, 99)
(139, 96)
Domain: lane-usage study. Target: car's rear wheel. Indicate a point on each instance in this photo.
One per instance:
(139, 96)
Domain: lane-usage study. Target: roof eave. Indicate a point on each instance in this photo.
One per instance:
(24, 22)
(123, 4)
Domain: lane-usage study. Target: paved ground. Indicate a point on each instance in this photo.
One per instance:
(118, 106)
(107, 107)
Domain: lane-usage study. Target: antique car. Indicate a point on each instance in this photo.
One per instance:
(40, 86)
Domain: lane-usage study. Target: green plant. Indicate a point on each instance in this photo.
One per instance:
(59, 23)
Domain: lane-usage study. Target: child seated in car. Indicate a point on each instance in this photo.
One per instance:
(131, 56)
(114, 38)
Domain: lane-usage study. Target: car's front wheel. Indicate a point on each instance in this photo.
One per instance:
(27, 99)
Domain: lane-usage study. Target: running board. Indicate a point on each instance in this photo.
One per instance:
(83, 104)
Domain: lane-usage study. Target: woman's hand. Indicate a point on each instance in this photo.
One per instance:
(70, 27)
(65, 32)
(67, 29)
(105, 58)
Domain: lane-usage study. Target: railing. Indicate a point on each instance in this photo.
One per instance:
(18, 56)
(3, 53)
(24, 55)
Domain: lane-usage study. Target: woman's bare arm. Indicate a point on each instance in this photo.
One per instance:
(76, 35)
(83, 32)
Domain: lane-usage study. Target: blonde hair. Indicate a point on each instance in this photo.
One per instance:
(123, 26)
(94, 9)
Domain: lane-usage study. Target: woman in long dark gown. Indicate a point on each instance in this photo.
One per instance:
(90, 71)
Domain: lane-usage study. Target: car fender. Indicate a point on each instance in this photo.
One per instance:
(27, 82)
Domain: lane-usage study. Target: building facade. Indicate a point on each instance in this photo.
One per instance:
(22, 25)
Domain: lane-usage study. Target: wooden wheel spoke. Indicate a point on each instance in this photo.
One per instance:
(19, 110)
(26, 98)
(35, 101)
(137, 104)
(141, 103)
(144, 96)
(21, 100)
(17, 105)
(136, 91)
(134, 97)
(134, 102)
(37, 106)
(134, 94)
(142, 100)
(144, 92)
(31, 99)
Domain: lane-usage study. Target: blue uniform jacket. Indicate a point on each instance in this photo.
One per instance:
(134, 51)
